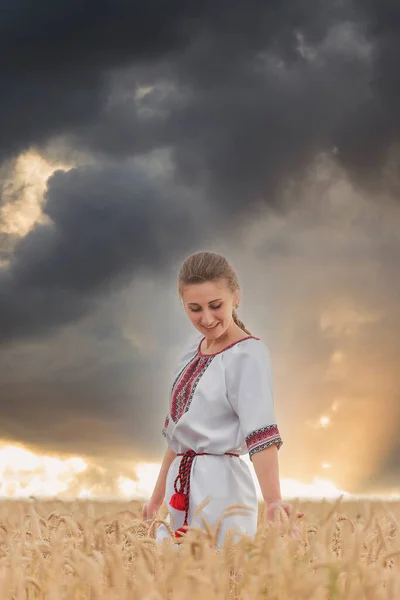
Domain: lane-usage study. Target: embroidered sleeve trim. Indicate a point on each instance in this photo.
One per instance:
(263, 438)
(164, 430)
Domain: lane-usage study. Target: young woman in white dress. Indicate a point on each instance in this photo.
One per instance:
(221, 407)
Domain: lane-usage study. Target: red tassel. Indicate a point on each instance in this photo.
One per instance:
(181, 531)
(178, 501)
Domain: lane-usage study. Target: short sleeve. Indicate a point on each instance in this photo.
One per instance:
(250, 392)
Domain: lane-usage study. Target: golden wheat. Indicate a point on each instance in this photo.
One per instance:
(88, 550)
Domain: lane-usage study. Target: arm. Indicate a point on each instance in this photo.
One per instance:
(266, 467)
(159, 489)
(251, 395)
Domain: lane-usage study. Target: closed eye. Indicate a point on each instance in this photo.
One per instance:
(212, 307)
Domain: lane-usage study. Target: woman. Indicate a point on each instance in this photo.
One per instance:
(221, 407)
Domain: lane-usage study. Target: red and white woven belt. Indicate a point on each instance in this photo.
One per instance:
(180, 500)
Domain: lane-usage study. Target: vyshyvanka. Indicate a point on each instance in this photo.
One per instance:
(221, 407)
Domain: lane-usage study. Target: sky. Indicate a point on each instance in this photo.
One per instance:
(132, 134)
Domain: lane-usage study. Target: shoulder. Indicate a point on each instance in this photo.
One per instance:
(248, 363)
(252, 349)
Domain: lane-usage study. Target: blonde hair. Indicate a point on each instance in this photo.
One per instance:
(209, 266)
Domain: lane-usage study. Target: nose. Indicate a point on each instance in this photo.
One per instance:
(207, 319)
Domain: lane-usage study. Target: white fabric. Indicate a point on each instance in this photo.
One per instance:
(220, 403)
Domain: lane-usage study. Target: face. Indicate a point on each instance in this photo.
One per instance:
(209, 306)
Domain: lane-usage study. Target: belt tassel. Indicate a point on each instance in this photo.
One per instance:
(180, 500)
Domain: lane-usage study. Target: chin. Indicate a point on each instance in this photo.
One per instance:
(213, 334)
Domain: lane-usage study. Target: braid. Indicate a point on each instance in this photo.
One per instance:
(238, 322)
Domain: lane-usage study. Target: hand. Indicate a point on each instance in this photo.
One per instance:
(150, 510)
(273, 506)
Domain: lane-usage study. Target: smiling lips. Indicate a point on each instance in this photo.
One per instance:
(213, 327)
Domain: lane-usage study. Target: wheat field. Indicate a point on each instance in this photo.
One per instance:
(86, 550)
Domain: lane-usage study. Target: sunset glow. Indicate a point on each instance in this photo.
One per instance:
(27, 183)
(324, 421)
(24, 473)
(147, 474)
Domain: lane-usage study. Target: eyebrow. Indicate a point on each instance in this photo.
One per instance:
(195, 303)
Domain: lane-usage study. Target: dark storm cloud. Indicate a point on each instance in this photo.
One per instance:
(249, 102)
(261, 91)
(100, 384)
(105, 224)
(240, 98)
(55, 55)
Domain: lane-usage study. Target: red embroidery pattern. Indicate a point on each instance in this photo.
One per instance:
(185, 385)
(164, 431)
(263, 438)
(249, 337)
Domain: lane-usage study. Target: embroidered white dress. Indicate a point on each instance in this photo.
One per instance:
(220, 403)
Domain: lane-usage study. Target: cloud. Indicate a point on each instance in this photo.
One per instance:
(103, 381)
(203, 124)
(237, 116)
(320, 287)
(58, 57)
(104, 225)
(98, 385)
(255, 89)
